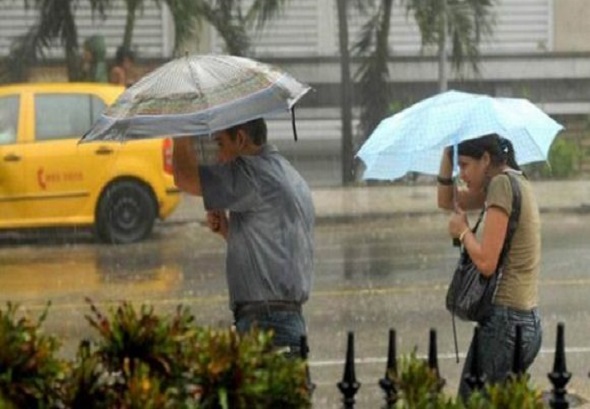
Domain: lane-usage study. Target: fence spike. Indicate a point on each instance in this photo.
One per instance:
(560, 376)
(304, 351)
(349, 385)
(433, 359)
(475, 378)
(388, 382)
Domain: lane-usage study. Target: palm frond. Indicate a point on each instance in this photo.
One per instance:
(187, 18)
(263, 11)
(373, 73)
(222, 15)
(101, 7)
(468, 21)
(367, 36)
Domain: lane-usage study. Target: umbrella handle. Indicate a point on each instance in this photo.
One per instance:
(456, 241)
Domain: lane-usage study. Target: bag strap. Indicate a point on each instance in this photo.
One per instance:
(512, 225)
(512, 221)
(514, 217)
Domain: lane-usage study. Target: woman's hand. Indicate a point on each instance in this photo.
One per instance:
(458, 222)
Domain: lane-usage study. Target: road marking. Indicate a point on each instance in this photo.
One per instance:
(443, 356)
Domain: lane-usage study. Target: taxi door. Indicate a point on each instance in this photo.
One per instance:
(64, 177)
(12, 164)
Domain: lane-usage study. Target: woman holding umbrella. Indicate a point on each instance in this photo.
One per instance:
(486, 165)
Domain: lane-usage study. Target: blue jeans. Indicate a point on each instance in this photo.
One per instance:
(496, 344)
(288, 327)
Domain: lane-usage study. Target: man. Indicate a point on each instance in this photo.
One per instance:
(269, 231)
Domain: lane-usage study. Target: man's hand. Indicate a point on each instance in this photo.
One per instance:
(218, 222)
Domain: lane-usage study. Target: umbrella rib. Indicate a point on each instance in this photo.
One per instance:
(199, 90)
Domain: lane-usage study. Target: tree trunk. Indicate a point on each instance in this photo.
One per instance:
(129, 24)
(442, 50)
(71, 47)
(345, 94)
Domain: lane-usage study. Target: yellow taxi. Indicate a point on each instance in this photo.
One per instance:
(48, 179)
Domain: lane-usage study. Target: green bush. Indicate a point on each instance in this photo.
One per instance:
(144, 360)
(30, 374)
(421, 388)
(562, 162)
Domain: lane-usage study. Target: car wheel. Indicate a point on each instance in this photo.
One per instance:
(126, 213)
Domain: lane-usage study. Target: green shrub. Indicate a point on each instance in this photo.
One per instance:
(30, 374)
(245, 372)
(562, 162)
(516, 393)
(145, 360)
(420, 388)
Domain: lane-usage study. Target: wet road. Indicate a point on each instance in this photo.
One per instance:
(370, 276)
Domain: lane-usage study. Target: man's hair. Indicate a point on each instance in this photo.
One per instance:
(256, 130)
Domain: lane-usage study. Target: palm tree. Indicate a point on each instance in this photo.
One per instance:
(344, 8)
(464, 22)
(185, 14)
(345, 93)
(56, 21)
(373, 73)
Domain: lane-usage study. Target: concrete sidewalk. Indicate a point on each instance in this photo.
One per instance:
(346, 203)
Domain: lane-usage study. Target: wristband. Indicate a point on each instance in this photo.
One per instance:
(444, 181)
(463, 233)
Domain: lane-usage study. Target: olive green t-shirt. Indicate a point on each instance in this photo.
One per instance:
(519, 282)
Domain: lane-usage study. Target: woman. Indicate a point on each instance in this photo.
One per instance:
(484, 164)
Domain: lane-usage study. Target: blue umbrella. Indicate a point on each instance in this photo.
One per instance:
(413, 139)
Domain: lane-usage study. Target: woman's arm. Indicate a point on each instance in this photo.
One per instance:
(186, 166)
(445, 184)
(485, 255)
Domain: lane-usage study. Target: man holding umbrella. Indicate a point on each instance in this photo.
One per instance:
(269, 230)
(263, 208)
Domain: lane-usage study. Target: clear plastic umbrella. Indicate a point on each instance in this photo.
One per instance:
(197, 95)
(413, 139)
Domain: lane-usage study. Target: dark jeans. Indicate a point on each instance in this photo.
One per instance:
(496, 344)
(288, 327)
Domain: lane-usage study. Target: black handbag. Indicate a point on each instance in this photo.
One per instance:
(470, 295)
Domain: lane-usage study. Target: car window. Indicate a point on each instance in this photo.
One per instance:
(8, 119)
(59, 116)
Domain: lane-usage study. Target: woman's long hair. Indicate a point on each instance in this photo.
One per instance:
(500, 150)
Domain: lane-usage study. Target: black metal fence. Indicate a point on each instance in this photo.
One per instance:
(349, 385)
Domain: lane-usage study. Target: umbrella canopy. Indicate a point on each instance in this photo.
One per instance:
(413, 139)
(197, 95)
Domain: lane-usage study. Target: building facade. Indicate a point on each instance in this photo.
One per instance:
(539, 50)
